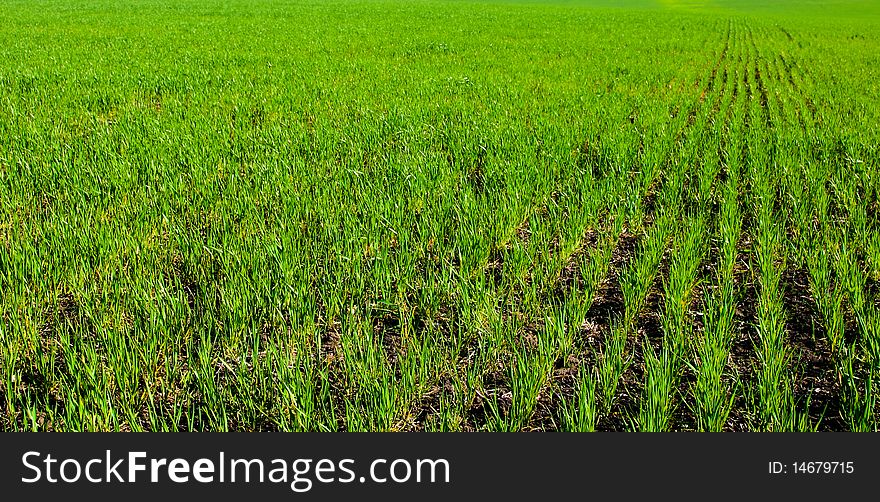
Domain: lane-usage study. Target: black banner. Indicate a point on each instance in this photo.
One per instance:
(423, 466)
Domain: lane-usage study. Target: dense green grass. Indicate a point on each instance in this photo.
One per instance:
(400, 215)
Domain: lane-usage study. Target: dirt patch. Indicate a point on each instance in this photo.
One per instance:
(387, 327)
(524, 232)
(872, 290)
(592, 155)
(494, 271)
(66, 315)
(476, 178)
(570, 278)
(331, 355)
(762, 88)
(550, 399)
(815, 368)
(608, 302)
(743, 358)
(188, 283)
(648, 329)
(496, 390)
(428, 406)
(608, 305)
(649, 202)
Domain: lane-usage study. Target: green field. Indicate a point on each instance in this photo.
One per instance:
(439, 215)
